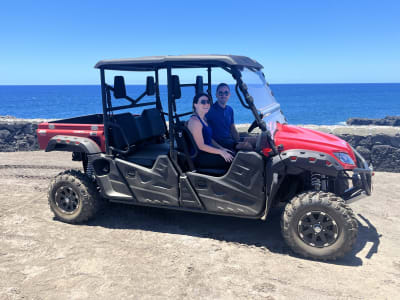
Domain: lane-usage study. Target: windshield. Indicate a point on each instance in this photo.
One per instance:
(264, 100)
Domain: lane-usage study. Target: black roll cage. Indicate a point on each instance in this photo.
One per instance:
(106, 89)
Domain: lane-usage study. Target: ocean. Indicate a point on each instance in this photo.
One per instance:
(321, 104)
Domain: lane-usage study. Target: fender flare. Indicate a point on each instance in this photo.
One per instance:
(72, 144)
(297, 160)
(293, 162)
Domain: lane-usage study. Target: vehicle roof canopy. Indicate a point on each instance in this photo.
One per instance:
(149, 63)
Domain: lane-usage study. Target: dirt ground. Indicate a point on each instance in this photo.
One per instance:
(135, 253)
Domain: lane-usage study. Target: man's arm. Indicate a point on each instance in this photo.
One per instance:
(235, 133)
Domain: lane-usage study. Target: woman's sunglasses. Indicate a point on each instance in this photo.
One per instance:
(226, 93)
(204, 102)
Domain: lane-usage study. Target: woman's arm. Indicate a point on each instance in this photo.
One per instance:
(215, 144)
(196, 128)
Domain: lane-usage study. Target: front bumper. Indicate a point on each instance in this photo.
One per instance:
(362, 181)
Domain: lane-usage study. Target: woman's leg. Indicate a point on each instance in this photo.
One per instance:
(207, 160)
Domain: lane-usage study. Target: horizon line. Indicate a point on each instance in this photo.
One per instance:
(278, 83)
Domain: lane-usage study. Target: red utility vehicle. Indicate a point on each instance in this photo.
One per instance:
(144, 160)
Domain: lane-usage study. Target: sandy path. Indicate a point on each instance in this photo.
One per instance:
(129, 252)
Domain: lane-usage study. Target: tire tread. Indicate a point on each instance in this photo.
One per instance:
(90, 198)
(326, 200)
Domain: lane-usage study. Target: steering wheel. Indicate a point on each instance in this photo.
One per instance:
(253, 126)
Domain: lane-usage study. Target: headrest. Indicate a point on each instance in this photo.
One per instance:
(119, 87)
(176, 87)
(150, 86)
(199, 85)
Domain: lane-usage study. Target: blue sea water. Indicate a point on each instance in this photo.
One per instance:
(322, 104)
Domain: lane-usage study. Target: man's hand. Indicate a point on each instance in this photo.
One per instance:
(244, 146)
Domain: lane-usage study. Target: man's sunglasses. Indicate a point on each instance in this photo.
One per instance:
(226, 93)
(204, 102)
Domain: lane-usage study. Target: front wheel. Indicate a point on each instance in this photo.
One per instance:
(319, 225)
(73, 197)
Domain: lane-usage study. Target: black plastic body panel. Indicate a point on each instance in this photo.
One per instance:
(72, 144)
(155, 186)
(188, 197)
(112, 185)
(275, 174)
(241, 191)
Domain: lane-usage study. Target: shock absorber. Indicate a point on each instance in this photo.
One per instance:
(316, 181)
(89, 168)
(87, 163)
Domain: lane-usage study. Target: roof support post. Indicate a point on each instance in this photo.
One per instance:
(158, 100)
(170, 116)
(209, 91)
(105, 113)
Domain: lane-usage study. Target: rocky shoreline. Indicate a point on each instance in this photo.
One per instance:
(380, 145)
(18, 134)
(387, 121)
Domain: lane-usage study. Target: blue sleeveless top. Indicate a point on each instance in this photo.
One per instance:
(207, 133)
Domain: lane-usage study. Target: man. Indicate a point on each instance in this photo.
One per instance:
(220, 118)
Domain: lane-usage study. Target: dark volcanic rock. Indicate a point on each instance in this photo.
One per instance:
(4, 134)
(386, 158)
(395, 141)
(365, 152)
(387, 121)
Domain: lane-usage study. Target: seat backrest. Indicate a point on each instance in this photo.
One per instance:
(136, 129)
(130, 126)
(199, 85)
(153, 122)
(185, 141)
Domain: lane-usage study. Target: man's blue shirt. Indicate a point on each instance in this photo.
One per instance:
(221, 119)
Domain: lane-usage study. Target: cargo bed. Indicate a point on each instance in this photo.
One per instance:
(90, 126)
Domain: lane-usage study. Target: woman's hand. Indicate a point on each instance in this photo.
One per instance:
(226, 155)
(228, 150)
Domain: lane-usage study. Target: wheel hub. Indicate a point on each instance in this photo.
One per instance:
(66, 199)
(318, 229)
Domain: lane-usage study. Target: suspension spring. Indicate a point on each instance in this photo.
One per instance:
(90, 169)
(316, 181)
(88, 165)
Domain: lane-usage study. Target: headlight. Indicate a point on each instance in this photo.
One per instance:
(344, 158)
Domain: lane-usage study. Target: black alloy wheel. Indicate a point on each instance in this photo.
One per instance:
(318, 229)
(66, 199)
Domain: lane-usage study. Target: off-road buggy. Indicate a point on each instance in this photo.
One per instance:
(143, 160)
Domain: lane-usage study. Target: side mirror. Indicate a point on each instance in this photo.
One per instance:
(150, 86)
(199, 85)
(176, 87)
(119, 87)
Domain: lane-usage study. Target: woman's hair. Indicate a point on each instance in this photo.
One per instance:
(197, 97)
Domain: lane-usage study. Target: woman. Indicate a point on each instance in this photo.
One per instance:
(211, 155)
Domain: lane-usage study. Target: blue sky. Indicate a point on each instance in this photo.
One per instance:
(58, 42)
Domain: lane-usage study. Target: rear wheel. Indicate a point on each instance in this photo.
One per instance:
(319, 225)
(73, 197)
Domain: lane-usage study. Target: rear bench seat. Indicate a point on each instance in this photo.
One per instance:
(145, 132)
